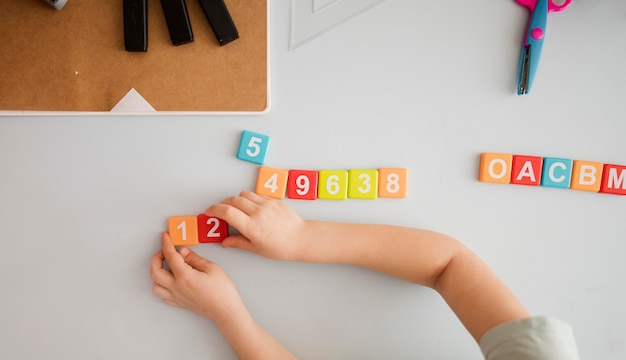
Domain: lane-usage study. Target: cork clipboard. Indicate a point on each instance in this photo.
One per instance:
(74, 59)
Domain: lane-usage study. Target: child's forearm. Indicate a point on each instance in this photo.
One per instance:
(414, 255)
(249, 340)
(476, 295)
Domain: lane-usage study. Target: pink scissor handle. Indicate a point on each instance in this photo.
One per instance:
(551, 5)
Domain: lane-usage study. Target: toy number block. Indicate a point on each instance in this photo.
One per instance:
(495, 168)
(614, 180)
(211, 229)
(392, 183)
(302, 184)
(526, 170)
(362, 184)
(556, 173)
(183, 230)
(272, 182)
(333, 185)
(586, 176)
(253, 147)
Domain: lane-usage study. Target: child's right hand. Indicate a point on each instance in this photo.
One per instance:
(267, 226)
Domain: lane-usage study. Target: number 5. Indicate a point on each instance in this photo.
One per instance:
(253, 146)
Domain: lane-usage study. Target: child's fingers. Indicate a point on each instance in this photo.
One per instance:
(241, 203)
(161, 292)
(196, 261)
(172, 303)
(233, 216)
(239, 242)
(254, 197)
(173, 258)
(157, 273)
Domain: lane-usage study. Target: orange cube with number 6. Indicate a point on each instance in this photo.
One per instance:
(392, 183)
(183, 230)
(271, 182)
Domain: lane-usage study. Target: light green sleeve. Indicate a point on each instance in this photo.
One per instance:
(535, 338)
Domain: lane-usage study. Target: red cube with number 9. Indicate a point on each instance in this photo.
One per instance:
(211, 229)
(302, 184)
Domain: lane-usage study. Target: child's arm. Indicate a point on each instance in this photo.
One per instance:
(271, 229)
(201, 286)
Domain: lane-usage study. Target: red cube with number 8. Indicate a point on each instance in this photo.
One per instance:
(302, 184)
(211, 229)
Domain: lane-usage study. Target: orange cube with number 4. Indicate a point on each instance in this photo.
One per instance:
(392, 183)
(183, 230)
(271, 182)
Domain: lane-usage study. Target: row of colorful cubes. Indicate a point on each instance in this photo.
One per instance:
(553, 172)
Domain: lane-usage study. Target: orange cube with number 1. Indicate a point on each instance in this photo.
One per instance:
(183, 230)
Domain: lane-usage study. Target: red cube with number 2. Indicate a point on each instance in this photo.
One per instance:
(211, 229)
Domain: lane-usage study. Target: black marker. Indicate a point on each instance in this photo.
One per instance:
(220, 20)
(177, 21)
(135, 25)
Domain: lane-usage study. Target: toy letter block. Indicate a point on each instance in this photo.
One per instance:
(333, 185)
(183, 230)
(526, 170)
(253, 147)
(495, 168)
(392, 183)
(211, 229)
(271, 182)
(302, 184)
(556, 173)
(586, 176)
(363, 184)
(614, 180)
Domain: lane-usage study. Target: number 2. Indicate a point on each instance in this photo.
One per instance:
(213, 231)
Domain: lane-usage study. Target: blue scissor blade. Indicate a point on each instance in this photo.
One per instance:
(531, 51)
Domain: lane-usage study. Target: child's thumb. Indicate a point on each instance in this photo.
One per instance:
(194, 260)
(239, 242)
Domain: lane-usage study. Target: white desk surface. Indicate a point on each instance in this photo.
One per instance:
(426, 85)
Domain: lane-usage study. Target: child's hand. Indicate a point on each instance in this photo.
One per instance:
(267, 226)
(193, 283)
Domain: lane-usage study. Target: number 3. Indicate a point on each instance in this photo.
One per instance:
(366, 182)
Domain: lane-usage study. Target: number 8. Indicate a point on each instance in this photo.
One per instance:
(392, 183)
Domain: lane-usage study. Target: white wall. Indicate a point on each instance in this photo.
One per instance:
(426, 85)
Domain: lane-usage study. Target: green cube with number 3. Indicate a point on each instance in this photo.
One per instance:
(363, 184)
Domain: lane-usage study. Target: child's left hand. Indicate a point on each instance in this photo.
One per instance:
(194, 283)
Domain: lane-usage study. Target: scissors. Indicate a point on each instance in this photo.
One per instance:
(533, 42)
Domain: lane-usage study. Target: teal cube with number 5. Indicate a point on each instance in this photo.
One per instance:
(362, 184)
(253, 147)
